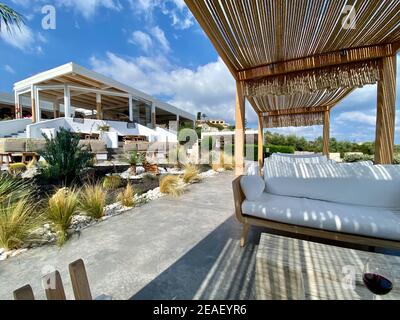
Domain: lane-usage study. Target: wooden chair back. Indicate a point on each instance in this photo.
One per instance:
(79, 280)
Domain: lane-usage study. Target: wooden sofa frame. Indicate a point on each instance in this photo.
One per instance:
(248, 221)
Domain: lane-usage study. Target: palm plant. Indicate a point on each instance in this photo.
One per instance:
(10, 17)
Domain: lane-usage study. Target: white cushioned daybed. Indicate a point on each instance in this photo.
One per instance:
(355, 203)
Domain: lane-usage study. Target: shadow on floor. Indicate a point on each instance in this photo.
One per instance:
(216, 268)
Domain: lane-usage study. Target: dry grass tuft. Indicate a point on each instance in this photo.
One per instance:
(93, 200)
(112, 182)
(191, 174)
(63, 205)
(126, 196)
(17, 221)
(171, 185)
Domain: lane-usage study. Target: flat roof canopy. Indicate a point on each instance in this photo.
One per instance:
(85, 85)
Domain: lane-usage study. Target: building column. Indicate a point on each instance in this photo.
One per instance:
(38, 111)
(386, 112)
(67, 102)
(260, 141)
(153, 116)
(326, 132)
(130, 103)
(239, 130)
(99, 109)
(178, 119)
(33, 104)
(18, 110)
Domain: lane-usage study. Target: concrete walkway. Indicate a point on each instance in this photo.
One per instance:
(184, 248)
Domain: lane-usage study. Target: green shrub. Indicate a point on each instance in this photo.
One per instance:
(65, 158)
(280, 149)
(17, 168)
(396, 159)
(357, 158)
(112, 182)
(92, 201)
(17, 221)
(63, 205)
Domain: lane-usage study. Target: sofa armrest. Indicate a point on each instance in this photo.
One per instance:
(238, 197)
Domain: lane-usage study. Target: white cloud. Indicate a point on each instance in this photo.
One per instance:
(161, 38)
(142, 39)
(154, 41)
(366, 118)
(22, 38)
(176, 10)
(9, 69)
(88, 7)
(209, 88)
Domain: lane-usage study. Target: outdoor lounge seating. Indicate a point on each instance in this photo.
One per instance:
(97, 147)
(355, 203)
(24, 149)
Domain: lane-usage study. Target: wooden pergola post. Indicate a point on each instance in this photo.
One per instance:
(386, 112)
(260, 141)
(326, 133)
(56, 108)
(99, 110)
(33, 104)
(239, 129)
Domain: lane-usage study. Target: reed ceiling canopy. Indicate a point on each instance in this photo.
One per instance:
(300, 53)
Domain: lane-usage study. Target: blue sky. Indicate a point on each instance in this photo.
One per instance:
(155, 46)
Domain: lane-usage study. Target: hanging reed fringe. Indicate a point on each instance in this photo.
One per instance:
(330, 79)
(294, 120)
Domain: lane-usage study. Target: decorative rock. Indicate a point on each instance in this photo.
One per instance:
(30, 173)
(2, 250)
(17, 252)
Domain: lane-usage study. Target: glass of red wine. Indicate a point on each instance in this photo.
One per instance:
(378, 277)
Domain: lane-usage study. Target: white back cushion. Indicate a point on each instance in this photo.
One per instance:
(252, 186)
(375, 186)
(296, 158)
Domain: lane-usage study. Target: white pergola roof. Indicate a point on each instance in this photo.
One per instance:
(73, 74)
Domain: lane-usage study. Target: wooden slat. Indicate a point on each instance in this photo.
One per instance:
(326, 133)
(53, 286)
(239, 129)
(24, 293)
(260, 142)
(79, 280)
(295, 111)
(386, 111)
(318, 61)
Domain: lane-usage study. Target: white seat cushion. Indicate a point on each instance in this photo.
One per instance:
(252, 186)
(298, 158)
(375, 186)
(329, 216)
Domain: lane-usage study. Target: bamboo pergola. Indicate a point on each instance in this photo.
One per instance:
(294, 60)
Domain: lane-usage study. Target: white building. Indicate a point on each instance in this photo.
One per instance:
(82, 100)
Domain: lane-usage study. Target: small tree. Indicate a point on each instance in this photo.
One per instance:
(10, 17)
(65, 158)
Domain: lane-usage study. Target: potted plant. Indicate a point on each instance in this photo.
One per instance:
(134, 160)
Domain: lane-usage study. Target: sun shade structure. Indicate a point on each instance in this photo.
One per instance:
(294, 60)
(93, 94)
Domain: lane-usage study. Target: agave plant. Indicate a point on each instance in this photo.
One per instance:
(65, 158)
(10, 17)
